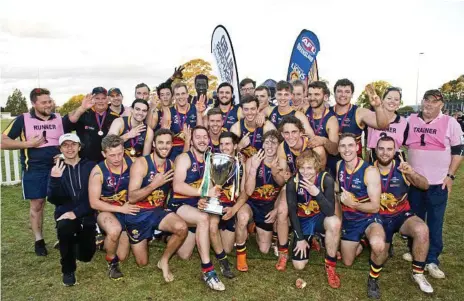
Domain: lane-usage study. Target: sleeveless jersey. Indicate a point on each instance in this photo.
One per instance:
(228, 188)
(50, 129)
(427, 136)
(319, 126)
(395, 187)
(178, 120)
(114, 185)
(214, 146)
(395, 130)
(256, 139)
(266, 189)
(291, 155)
(230, 117)
(307, 205)
(193, 178)
(158, 197)
(347, 124)
(275, 117)
(355, 184)
(134, 143)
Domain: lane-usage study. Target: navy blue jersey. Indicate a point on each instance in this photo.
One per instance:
(307, 204)
(275, 117)
(230, 117)
(256, 139)
(136, 143)
(193, 178)
(319, 126)
(290, 155)
(158, 197)
(114, 184)
(266, 188)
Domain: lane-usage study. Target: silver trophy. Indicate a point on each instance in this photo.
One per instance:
(223, 168)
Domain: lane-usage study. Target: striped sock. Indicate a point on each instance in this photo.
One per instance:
(115, 259)
(330, 261)
(418, 267)
(240, 249)
(221, 256)
(283, 248)
(207, 267)
(375, 269)
(274, 236)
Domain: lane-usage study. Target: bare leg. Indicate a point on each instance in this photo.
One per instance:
(376, 236)
(243, 217)
(36, 217)
(228, 239)
(214, 234)
(282, 218)
(332, 226)
(140, 251)
(124, 247)
(414, 227)
(264, 240)
(110, 224)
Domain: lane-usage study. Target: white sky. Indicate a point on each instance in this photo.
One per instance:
(78, 45)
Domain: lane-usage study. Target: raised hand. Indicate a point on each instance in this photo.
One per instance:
(256, 159)
(260, 119)
(317, 141)
(245, 141)
(58, 168)
(347, 199)
(178, 72)
(162, 178)
(88, 101)
(201, 103)
(310, 187)
(405, 168)
(374, 99)
(134, 132)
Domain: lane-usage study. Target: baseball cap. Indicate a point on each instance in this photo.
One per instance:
(69, 137)
(98, 90)
(114, 90)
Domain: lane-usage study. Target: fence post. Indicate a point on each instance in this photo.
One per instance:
(16, 166)
(6, 155)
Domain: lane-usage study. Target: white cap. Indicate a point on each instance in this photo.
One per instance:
(69, 137)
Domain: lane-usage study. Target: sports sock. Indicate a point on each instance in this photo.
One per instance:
(283, 248)
(115, 259)
(375, 270)
(330, 261)
(207, 267)
(418, 267)
(221, 256)
(240, 249)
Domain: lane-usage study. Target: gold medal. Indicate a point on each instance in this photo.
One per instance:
(181, 135)
(132, 152)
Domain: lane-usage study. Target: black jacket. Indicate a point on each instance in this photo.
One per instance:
(71, 191)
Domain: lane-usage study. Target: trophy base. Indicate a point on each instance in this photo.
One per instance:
(213, 207)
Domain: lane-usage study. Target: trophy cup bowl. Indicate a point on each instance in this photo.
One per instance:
(223, 167)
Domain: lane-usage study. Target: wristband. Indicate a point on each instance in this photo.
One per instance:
(451, 176)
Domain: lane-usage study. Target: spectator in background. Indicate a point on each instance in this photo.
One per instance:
(247, 87)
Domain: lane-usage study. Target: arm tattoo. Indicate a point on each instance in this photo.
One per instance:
(96, 173)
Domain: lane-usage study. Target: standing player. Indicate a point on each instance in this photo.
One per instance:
(188, 176)
(108, 185)
(359, 186)
(116, 105)
(247, 129)
(394, 206)
(299, 96)
(311, 208)
(215, 123)
(39, 132)
(150, 178)
(435, 150)
(247, 86)
(231, 112)
(133, 129)
(264, 97)
(263, 185)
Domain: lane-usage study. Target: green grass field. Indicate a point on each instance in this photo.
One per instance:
(28, 277)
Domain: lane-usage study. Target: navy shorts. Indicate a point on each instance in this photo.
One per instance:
(260, 209)
(142, 225)
(353, 230)
(35, 183)
(392, 224)
(229, 224)
(312, 225)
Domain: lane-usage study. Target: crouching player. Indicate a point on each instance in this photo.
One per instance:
(263, 184)
(395, 210)
(150, 183)
(311, 208)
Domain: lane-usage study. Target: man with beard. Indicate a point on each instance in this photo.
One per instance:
(293, 145)
(116, 105)
(311, 207)
(188, 177)
(262, 186)
(92, 121)
(322, 120)
(201, 87)
(75, 220)
(142, 91)
(181, 117)
(108, 186)
(247, 129)
(359, 189)
(215, 123)
(39, 132)
(149, 185)
(232, 113)
(396, 177)
(133, 129)
(284, 92)
(353, 119)
(435, 150)
(247, 87)
(233, 196)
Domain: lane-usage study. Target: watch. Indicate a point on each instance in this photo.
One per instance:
(451, 176)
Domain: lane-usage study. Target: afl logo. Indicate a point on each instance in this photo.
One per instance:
(308, 45)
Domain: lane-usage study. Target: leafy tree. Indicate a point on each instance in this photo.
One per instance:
(72, 104)
(406, 110)
(16, 103)
(195, 67)
(454, 89)
(380, 88)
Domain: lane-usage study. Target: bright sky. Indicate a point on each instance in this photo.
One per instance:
(75, 46)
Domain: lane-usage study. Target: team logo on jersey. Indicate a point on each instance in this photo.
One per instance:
(341, 176)
(194, 167)
(261, 173)
(309, 208)
(300, 191)
(135, 234)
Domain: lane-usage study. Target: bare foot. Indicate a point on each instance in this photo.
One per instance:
(168, 276)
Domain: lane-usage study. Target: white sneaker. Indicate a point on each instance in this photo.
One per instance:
(213, 281)
(434, 271)
(424, 285)
(407, 256)
(275, 249)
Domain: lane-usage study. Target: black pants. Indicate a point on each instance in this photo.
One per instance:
(77, 241)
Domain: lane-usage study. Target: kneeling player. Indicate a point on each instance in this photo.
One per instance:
(263, 185)
(311, 208)
(108, 185)
(360, 201)
(150, 178)
(395, 209)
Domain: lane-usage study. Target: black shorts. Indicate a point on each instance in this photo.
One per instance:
(260, 210)
(392, 224)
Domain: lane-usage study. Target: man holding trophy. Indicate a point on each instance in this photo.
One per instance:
(188, 176)
(225, 173)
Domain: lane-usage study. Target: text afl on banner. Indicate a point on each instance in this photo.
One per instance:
(223, 52)
(303, 57)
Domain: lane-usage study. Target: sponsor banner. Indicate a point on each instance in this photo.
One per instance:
(223, 52)
(303, 57)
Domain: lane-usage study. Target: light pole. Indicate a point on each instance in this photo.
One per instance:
(417, 80)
